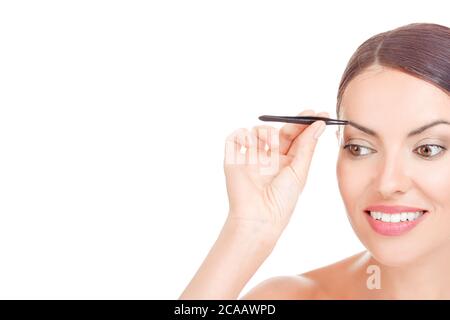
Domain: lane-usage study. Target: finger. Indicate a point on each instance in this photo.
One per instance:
(235, 146)
(302, 150)
(252, 145)
(273, 142)
(296, 144)
(264, 135)
(292, 178)
(290, 131)
(268, 139)
(261, 134)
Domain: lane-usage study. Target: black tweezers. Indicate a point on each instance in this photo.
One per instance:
(302, 119)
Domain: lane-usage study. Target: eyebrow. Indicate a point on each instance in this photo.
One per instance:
(412, 133)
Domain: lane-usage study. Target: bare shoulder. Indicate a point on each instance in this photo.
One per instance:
(283, 287)
(329, 282)
(343, 279)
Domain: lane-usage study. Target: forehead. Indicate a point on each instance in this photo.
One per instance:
(381, 93)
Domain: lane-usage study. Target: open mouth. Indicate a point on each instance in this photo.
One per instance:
(394, 224)
(395, 217)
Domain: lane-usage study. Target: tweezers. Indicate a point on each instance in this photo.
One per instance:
(302, 119)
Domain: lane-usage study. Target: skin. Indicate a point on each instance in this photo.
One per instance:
(393, 103)
(392, 169)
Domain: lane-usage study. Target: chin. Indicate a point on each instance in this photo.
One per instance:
(393, 251)
(395, 254)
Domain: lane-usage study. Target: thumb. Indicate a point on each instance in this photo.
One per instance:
(294, 175)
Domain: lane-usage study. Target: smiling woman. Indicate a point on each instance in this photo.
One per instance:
(393, 173)
(394, 168)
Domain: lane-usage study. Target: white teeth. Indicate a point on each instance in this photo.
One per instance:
(396, 217)
(403, 216)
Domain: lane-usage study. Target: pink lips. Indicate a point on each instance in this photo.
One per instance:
(393, 209)
(393, 229)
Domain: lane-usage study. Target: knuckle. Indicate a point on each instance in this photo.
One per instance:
(306, 111)
(235, 133)
(260, 128)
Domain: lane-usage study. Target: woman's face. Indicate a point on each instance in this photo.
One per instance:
(394, 168)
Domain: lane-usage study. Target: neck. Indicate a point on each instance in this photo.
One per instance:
(425, 278)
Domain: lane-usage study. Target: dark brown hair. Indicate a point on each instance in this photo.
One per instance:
(419, 49)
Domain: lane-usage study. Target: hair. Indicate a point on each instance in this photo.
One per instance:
(419, 49)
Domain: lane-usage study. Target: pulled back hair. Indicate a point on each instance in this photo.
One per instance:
(419, 49)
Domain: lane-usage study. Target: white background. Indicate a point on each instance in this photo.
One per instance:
(113, 120)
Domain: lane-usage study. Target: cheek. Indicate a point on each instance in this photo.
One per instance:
(434, 180)
(353, 178)
(432, 186)
(429, 185)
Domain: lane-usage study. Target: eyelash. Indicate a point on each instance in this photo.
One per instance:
(424, 145)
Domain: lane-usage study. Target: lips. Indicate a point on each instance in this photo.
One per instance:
(393, 209)
(393, 229)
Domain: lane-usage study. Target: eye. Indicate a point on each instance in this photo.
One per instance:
(355, 149)
(427, 150)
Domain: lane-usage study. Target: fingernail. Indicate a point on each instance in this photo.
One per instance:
(319, 131)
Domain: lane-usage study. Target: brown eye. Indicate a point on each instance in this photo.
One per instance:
(357, 150)
(427, 150)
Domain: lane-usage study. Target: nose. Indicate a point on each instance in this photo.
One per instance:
(393, 177)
